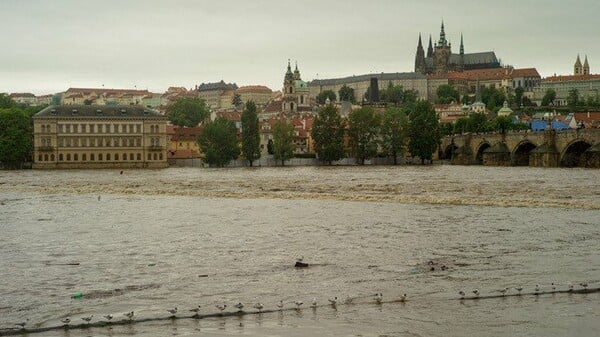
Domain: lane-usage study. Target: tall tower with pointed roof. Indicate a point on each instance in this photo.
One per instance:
(430, 48)
(586, 66)
(420, 57)
(578, 68)
(295, 92)
(442, 53)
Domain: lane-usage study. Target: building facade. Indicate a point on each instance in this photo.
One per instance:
(88, 136)
(296, 92)
(211, 93)
(102, 96)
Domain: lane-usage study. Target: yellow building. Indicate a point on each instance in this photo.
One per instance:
(91, 136)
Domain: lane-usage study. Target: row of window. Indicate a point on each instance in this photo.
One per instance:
(99, 128)
(101, 141)
(99, 157)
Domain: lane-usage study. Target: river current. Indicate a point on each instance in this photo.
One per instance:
(151, 240)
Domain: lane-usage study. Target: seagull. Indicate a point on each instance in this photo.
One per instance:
(108, 317)
(298, 304)
(570, 286)
(239, 306)
(172, 311)
(462, 295)
(584, 285)
(280, 305)
(378, 298)
(87, 318)
(333, 301)
(300, 259)
(503, 291)
(403, 298)
(476, 293)
(314, 303)
(196, 310)
(519, 289)
(22, 324)
(553, 287)
(258, 306)
(129, 315)
(221, 306)
(66, 320)
(537, 289)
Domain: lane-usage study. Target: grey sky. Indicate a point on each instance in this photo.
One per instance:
(49, 46)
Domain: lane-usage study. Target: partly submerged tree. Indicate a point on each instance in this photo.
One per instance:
(283, 141)
(328, 134)
(394, 132)
(363, 130)
(250, 133)
(218, 140)
(187, 111)
(16, 136)
(423, 132)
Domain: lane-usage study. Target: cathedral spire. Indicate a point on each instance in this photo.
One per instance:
(288, 74)
(296, 72)
(586, 66)
(578, 68)
(442, 42)
(420, 45)
(430, 48)
(420, 57)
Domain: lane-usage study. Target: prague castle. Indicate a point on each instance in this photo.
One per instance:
(441, 60)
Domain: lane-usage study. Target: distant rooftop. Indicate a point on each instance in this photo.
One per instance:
(119, 111)
(217, 86)
(367, 77)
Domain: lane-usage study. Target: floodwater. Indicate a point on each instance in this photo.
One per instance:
(149, 241)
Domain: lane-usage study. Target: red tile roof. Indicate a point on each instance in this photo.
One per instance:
(254, 88)
(87, 91)
(274, 106)
(525, 72)
(572, 77)
(230, 115)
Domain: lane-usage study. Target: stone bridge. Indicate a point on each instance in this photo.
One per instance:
(550, 148)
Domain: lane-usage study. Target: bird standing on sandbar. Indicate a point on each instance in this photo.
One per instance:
(239, 306)
(221, 306)
(172, 311)
(333, 301)
(584, 285)
(403, 298)
(462, 294)
(280, 304)
(129, 315)
(87, 318)
(66, 321)
(314, 303)
(476, 293)
(108, 317)
(195, 310)
(570, 286)
(298, 304)
(258, 306)
(553, 286)
(22, 324)
(503, 291)
(519, 289)
(379, 298)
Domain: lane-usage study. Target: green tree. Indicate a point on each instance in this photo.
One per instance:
(410, 97)
(218, 140)
(492, 97)
(477, 123)
(328, 134)
(16, 135)
(519, 96)
(549, 97)
(187, 111)
(573, 98)
(283, 141)
(250, 134)
(423, 132)
(324, 95)
(346, 94)
(6, 102)
(394, 94)
(447, 94)
(461, 125)
(236, 100)
(394, 132)
(363, 130)
(502, 124)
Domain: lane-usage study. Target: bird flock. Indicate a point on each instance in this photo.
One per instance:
(377, 298)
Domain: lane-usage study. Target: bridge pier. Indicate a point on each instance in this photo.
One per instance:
(497, 155)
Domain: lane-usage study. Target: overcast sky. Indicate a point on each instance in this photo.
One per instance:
(49, 46)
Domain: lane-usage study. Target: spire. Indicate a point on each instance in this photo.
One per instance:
(296, 72)
(430, 48)
(420, 57)
(577, 68)
(586, 66)
(462, 46)
(578, 61)
(442, 42)
(289, 75)
(420, 45)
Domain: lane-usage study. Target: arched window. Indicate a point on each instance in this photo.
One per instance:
(301, 99)
(39, 157)
(75, 157)
(84, 157)
(92, 157)
(139, 156)
(160, 156)
(124, 156)
(149, 156)
(60, 157)
(52, 157)
(100, 156)
(108, 156)
(45, 157)
(131, 156)
(68, 157)
(116, 156)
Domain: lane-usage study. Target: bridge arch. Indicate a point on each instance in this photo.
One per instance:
(449, 151)
(520, 154)
(482, 147)
(573, 153)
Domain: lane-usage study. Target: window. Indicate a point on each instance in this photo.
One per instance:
(99, 128)
(116, 156)
(75, 157)
(131, 156)
(52, 157)
(68, 157)
(45, 157)
(160, 156)
(108, 156)
(138, 128)
(100, 156)
(75, 128)
(39, 157)
(149, 156)
(91, 128)
(124, 156)
(139, 156)
(83, 128)
(106, 128)
(60, 157)
(84, 157)
(92, 157)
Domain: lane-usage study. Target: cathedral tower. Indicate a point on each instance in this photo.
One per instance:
(430, 48)
(420, 58)
(578, 69)
(442, 53)
(586, 66)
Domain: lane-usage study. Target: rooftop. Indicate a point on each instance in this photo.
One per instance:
(118, 111)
